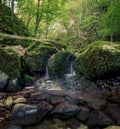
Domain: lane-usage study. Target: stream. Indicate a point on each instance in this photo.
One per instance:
(69, 81)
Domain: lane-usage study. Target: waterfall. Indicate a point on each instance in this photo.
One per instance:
(47, 76)
(72, 71)
(70, 77)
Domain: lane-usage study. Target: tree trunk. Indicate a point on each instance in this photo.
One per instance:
(47, 23)
(12, 11)
(29, 19)
(4, 2)
(9, 3)
(38, 16)
(111, 22)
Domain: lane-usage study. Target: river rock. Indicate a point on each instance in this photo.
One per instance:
(83, 127)
(83, 114)
(20, 100)
(113, 111)
(65, 110)
(94, 99)
(113, 127)
(11, 127)
(8, 102)
(99, 118)
(56, 100)
(45, 105)
(24, 114)
(1, 103)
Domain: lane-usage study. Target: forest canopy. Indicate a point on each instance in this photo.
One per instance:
(73, 22)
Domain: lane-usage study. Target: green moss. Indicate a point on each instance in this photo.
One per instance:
(47, 43)
(33, 45)
(58, 64)
(98, 59)
(10, 63)
(39, 57)
(59, 46)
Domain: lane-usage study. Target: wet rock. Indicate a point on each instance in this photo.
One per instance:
(8, 102)
(3, 95)
(1, 103)
(83, 114)
(20, 100)
(11, 127)
(40, 96)
(69, 123)
(99, 118)
(94, 99)
(45, 105)
(56, 100)
(48, 125)
(65, 110)
(118, 122)
(24, 114)
(113, 111)
(114, 95)
(4, 114)
(113, 127)
(27, 95)
(83, 127)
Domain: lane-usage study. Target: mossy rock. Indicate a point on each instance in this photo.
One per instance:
(38, 57)
(13, 65)
(58, 64)
(99, 60)
(10, 63)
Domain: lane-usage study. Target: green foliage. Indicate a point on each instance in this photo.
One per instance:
(111, 20)
(98, 60)
(7, 25)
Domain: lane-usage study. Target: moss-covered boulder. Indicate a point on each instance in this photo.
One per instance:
(10, 64)
(38, 57)
(99, 60)
(58, 64)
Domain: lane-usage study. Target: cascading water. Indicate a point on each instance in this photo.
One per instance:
(70, 77)
(67, 82)
(47, 76)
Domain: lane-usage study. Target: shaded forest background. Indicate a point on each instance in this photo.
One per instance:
(74, 23)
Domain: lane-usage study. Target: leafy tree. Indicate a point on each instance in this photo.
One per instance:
(111, 26)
